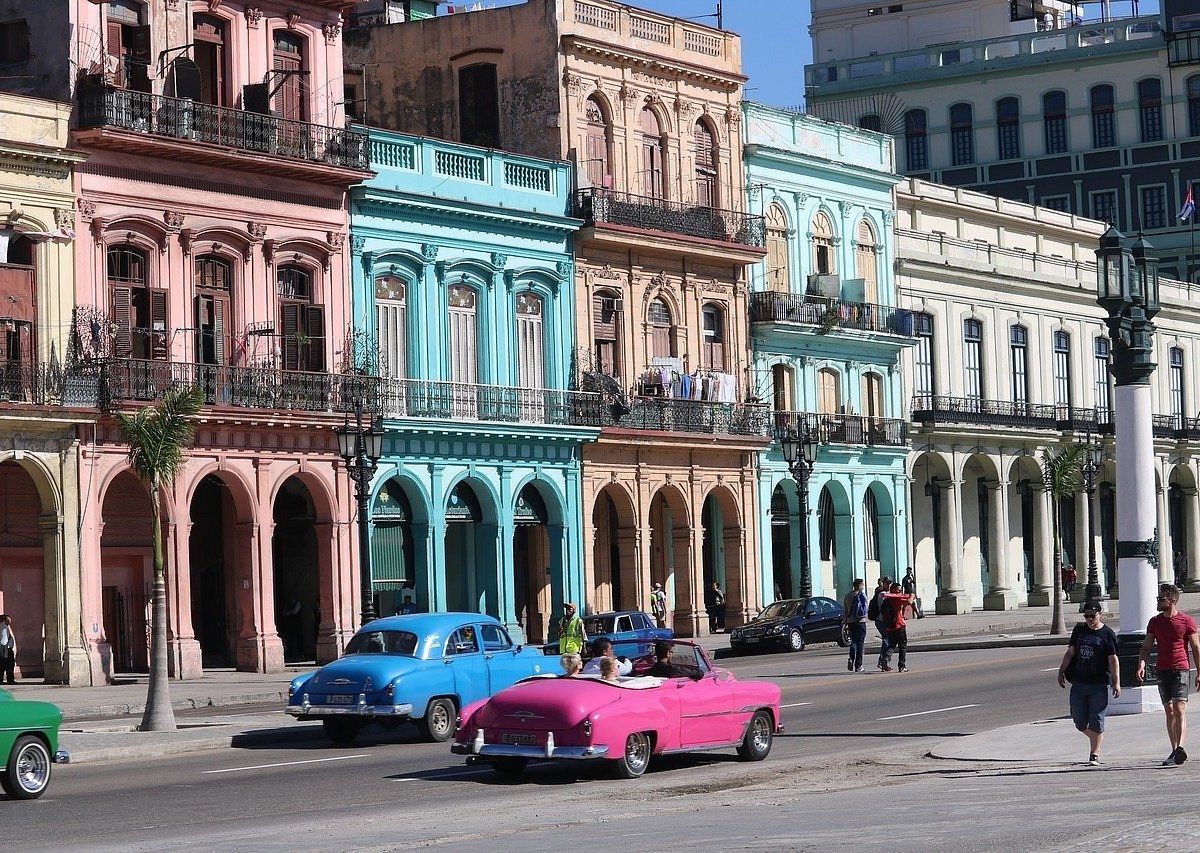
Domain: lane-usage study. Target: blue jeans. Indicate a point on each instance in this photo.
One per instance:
(1089, 705)
(858, 639)
(885, 651)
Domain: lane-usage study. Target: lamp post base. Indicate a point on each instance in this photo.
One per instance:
(952, 603)
(1136, 700)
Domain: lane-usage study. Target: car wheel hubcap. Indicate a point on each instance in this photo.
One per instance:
(637, 752)
(760, 734)
(797, 640)
(441, 719)
(33, 769)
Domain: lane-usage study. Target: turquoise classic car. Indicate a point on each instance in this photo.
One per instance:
(421, 668)
(29, 745)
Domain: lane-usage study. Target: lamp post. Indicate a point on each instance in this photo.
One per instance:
(1092, 460)
(800, 453)
(360, 448)
(1127, 283)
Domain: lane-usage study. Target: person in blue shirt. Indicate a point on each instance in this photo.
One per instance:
(856, 623)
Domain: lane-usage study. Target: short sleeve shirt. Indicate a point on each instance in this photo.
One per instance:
(1170, 637)
(1092, 650)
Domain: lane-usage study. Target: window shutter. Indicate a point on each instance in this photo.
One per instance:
(219, 309)
(158, 324)
(315, 329)
(290, 317)
(116, 51)
(121, 298)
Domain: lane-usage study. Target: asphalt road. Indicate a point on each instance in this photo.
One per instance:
(845, 732)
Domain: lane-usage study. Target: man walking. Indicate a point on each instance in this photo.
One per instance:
(714, 605)
(910, 586)
(658, 604)
(1090, 664)
(1174, 633)
(891, 612)
(571, 635)
(873, 613)
(8, 650)
(856, 622)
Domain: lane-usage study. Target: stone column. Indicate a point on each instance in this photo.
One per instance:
(1001, 595)
(1192, 584)
(954, 599)
(184, 658)
(1043, 549)
(1166, 555)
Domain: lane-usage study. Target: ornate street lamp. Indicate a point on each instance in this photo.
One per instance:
(360, 448)
(800, 453)
(1092, 460)
(1127, 284)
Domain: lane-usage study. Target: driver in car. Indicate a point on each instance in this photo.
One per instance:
(665, 668)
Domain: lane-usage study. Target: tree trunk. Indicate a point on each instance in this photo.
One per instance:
(159, 716)
(1057, 624)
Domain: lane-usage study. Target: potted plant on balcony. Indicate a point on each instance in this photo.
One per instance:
(828, 320)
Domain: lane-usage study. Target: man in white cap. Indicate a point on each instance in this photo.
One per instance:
(658, 605)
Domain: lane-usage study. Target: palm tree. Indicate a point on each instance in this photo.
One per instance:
(1062, 478)
(157, 436)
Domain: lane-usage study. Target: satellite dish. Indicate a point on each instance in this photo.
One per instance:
(187, 78)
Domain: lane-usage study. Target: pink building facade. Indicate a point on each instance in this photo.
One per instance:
(210, 250)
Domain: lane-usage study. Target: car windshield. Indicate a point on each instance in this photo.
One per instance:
(382, 643)
(598, 625)
(780, 609)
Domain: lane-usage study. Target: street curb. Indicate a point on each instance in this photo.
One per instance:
(187, 703)
(949, 644)
(169, 743)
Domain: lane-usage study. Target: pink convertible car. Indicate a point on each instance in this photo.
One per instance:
(689, 706)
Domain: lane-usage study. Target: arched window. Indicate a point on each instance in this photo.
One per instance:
(1054, 121)
(464, 335)
(962, 135)
(916, 142)
(139, 311)
(301, 320)
(705, 143)
(531, 347)
(871, 122)
(866, 261)
(662, 329)
(778, 260)
(391, 325)
(782, 388)
(1193, 96)
(1104, 117)
(289, 57)
(598, 145)
(714, 337)
(870, 527)
(1150, 109)
(1008, 128)
(652, 177)
(214, 281)
(824, 262)
(829, 392)
(827, 526)
(1062, 369)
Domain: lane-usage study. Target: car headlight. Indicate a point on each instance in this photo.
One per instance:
(737, 633)
(778, 629)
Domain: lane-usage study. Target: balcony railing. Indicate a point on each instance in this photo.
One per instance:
(846, 429)
(181, 118)
(30, 383)
(829, 314)
(1184, 48)
(674, 415)
(656, 214)
(1039, 416)
(423, 398)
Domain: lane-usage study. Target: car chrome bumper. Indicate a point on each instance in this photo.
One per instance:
(404, 710)
(513, 750)
(62, 757)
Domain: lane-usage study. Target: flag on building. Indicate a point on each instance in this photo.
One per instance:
(1189, 206)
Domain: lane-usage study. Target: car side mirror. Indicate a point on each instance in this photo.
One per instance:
(696, 676)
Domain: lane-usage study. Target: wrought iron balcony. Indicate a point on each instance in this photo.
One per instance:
(456, 401)
(1184, 48)
(828, 315)
(184, 119)
(699, 416)
(596, 206)
(25, 383)
(846, 429)
(932, 409)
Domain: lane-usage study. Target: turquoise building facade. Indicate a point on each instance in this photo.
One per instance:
(463, 303)
(826, 342)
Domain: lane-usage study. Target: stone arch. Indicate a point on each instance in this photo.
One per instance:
(615, 582)
(670, 558)
(400, 532)
(886, 521)
(471, 544)
(929, 473)
(723, 554)
(834, 513)
(126, 568)
(539, 582)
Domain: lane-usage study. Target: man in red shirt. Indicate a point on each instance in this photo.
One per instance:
(891, 611)
(1175, 633)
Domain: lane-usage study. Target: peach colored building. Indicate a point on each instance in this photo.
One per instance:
(648, 108)
(211, 229)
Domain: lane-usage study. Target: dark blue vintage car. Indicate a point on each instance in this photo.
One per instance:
(421, 668)
(622, 626)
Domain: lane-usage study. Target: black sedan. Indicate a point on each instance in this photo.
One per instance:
(791, 623)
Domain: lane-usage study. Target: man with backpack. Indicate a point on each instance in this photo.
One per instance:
(891, 613)
(855, 605)
(881, 589)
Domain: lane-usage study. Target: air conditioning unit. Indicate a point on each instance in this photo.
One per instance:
(824, 284)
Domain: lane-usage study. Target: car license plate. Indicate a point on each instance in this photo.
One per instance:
(525, 738)
(341, 700)
(753, 639)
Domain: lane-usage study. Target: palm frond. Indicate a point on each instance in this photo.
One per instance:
(1064, 469)
(157, 435)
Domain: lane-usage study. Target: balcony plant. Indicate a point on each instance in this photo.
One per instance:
(828, 320)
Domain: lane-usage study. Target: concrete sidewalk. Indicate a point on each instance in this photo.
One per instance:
(99, 722)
